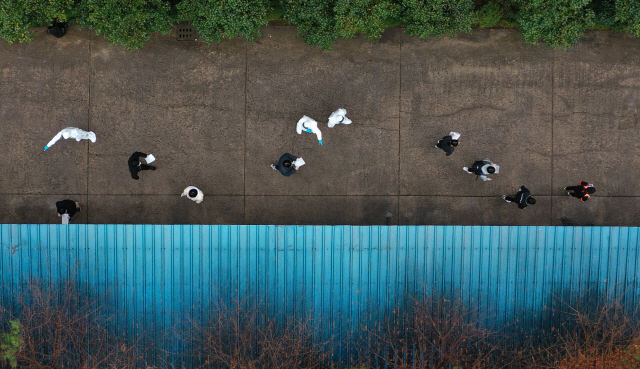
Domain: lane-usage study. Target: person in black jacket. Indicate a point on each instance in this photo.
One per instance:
(583, 191)
(523, 198)
(135, 165)
(286, 165)
(67, 207)
(448, 143)
(482, 168)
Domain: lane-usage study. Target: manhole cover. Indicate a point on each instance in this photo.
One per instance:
(185, 33)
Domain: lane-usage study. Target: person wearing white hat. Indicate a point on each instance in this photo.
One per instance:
(337, 117)
(193, 193)
(307, 124)
(448, 143)
(72, 132)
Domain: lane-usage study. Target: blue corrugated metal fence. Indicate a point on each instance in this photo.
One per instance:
(344, 275)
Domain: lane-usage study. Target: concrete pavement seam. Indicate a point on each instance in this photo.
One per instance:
(553, 71)
(399, 131)
(312, 195)
(88, 121)
(244, 140)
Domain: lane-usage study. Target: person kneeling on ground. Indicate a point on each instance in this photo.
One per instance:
(288, 164)
(483, 168)
(193, 193)
(523, 198)
(66, 209)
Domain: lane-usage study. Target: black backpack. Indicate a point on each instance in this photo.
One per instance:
(476, 168)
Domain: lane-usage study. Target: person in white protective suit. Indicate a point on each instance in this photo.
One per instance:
(307, 124)
(337, 117)
(72, 132)
(193, 193)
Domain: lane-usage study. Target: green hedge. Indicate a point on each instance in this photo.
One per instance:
(124, 22)
(18, 16)
(215, 19)
(130, 23)
(558, 23)
(425, 18)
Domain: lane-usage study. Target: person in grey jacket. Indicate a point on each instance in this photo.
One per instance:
(523, 198)
(483, 168)
(286, 165)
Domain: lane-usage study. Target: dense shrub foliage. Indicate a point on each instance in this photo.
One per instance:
(559, 23)
(315, 19)
(18, 16)
(489, 15)
(370, 17)
(425, 18)
(125, 22)
(628, 15)
(216, 19)
(130, 23)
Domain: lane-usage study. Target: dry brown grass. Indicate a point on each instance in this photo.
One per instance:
(601, 338)
(242, 336)
(65, 329)
(61, 329)
(438, 333)
(592, 332)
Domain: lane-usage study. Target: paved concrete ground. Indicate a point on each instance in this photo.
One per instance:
(216, 116)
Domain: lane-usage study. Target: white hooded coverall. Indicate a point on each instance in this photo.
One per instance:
(72, 132)
(199, 197)
(337, 117)
(307, 124)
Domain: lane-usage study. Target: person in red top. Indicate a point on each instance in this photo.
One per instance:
(583, 191)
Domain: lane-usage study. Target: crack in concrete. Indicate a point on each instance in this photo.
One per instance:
(612, 114)
(468, 109)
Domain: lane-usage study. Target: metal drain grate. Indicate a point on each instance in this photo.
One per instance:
(185, 33)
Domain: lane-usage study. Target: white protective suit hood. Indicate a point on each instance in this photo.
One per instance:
(337, 117)
(198, 198)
